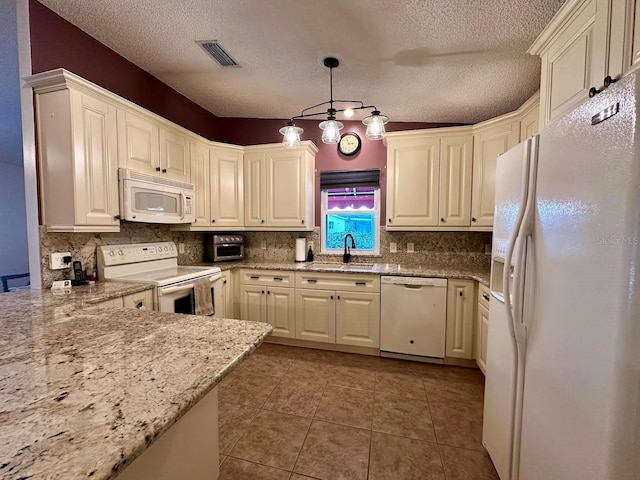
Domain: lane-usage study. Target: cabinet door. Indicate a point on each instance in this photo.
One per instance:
(576, 60)
(460, 303)
(112, 303)
(174, 154)
(315, 315)
(529, 123)
(482, 330)
(254, 189)
(281, 311)
(412, 182)
(138, 144)
(285, 189)
(95, 160)
(632, 35)
(227, 188)
(141, 300)
(200, 179)
(253, 303)
(456, 162)
(358, 319)
(487, 145)
(227, 295)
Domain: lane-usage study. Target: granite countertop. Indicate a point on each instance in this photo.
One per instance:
(440, 271)
(85, 389)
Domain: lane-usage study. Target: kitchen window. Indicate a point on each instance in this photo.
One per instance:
(350, 204)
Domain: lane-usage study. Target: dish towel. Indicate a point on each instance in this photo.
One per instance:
(203, 298)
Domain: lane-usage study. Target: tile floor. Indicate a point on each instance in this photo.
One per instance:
(293, 414)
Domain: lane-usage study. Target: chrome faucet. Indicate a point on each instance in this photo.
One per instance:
(347, 250)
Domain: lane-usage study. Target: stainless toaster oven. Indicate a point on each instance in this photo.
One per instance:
(224, 247)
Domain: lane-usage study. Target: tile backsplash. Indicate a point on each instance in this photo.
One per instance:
(431, 248)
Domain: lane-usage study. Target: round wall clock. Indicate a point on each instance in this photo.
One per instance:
(349, 144)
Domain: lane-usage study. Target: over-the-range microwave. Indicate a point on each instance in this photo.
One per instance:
(151, 199)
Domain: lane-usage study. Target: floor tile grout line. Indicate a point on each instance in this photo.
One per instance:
(444, 469)
(258, 463)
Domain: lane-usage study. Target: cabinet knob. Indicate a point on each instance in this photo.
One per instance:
(460, 293)
(164, 170)
(485, 296)
(224, 282)
(593, 91)
(261, 221)
(331, 297)
(302, 220)
(442, 220)
(338, 297)
(262, 292)
(213, 220)
(389, 221)
(608, 81)
(157, 169)
(473, 219)
(268, 292)
(116, 217)
(411, 342)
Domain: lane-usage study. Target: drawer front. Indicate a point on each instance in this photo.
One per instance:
(267, 277)
(483, 296)
(141, 300)
(346, 282)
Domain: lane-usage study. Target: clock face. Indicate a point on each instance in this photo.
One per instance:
(349, 144)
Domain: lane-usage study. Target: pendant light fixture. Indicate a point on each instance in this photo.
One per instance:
(331, 127)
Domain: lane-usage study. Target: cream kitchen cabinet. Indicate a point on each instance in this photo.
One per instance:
(77, 151)
(482, 327)
(632, 35)
(490, 139)
(147, 146)
(227, 309)
(530, 117)
(140, 300)
(338, 308)
(460, 309)
(279, 187)
(217, 176)
(429, 179)
(265, 297)
(583, 43)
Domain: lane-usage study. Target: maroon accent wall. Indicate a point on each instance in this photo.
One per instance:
(255, 131)
(56, 43)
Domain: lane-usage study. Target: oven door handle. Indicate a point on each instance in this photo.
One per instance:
(188, 286)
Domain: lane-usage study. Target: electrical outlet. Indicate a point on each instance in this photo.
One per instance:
(393, 247)
(263, 244)
(181, 248)
(411, 248)
(487, 249)
(57, 261)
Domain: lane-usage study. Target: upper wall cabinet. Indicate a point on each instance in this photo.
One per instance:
(148, 147)
(586, 41)
(279, 187)
(490, 139)
(217, 175)
(429, 179)
(77, 151)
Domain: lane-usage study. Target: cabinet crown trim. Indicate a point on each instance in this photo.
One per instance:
(307, 145)
(559, 20)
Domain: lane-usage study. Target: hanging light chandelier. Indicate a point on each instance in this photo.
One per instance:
(331, 127)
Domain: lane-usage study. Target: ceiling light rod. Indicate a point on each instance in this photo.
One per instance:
(331, 127)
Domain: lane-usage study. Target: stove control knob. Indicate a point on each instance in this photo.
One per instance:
(171, 247)
(111, 253)
(166, 249)
(120, 252)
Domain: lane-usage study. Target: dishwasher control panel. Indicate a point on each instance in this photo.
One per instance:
(432, 282)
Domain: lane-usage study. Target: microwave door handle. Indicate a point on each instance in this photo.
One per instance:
(184, 204)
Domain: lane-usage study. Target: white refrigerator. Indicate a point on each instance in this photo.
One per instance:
(563, 355)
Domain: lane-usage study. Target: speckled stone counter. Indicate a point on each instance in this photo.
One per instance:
(449, 271)
(84, 390)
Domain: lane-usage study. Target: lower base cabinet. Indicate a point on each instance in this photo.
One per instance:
(315, 315)
(141, 300)
(460, 309)
(270, 304)
(482, 327)
(358, 319)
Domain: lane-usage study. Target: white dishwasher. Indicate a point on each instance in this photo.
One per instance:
(413, 316)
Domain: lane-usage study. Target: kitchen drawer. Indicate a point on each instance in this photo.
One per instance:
(141, 300)
(483, 296)
(267, 277)
(338, 281)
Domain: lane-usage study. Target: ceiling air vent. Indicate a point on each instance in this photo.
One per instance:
(214, 49)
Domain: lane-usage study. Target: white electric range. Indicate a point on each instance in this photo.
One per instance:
(157, 264)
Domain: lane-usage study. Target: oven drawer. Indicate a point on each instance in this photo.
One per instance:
(267, 277)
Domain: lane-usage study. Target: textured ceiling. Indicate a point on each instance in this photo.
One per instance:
(416, 60)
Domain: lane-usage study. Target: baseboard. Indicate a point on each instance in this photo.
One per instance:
(323, 346)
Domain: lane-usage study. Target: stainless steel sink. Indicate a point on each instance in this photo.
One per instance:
(348, 267)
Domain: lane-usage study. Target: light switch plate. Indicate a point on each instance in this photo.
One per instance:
(263, 244)
(411, 248)
(393, 247)
(181, 248)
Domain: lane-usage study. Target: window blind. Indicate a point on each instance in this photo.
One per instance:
(350, 178)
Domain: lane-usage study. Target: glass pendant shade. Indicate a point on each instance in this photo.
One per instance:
(331, 131)
(375, 126)
(291, 135)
